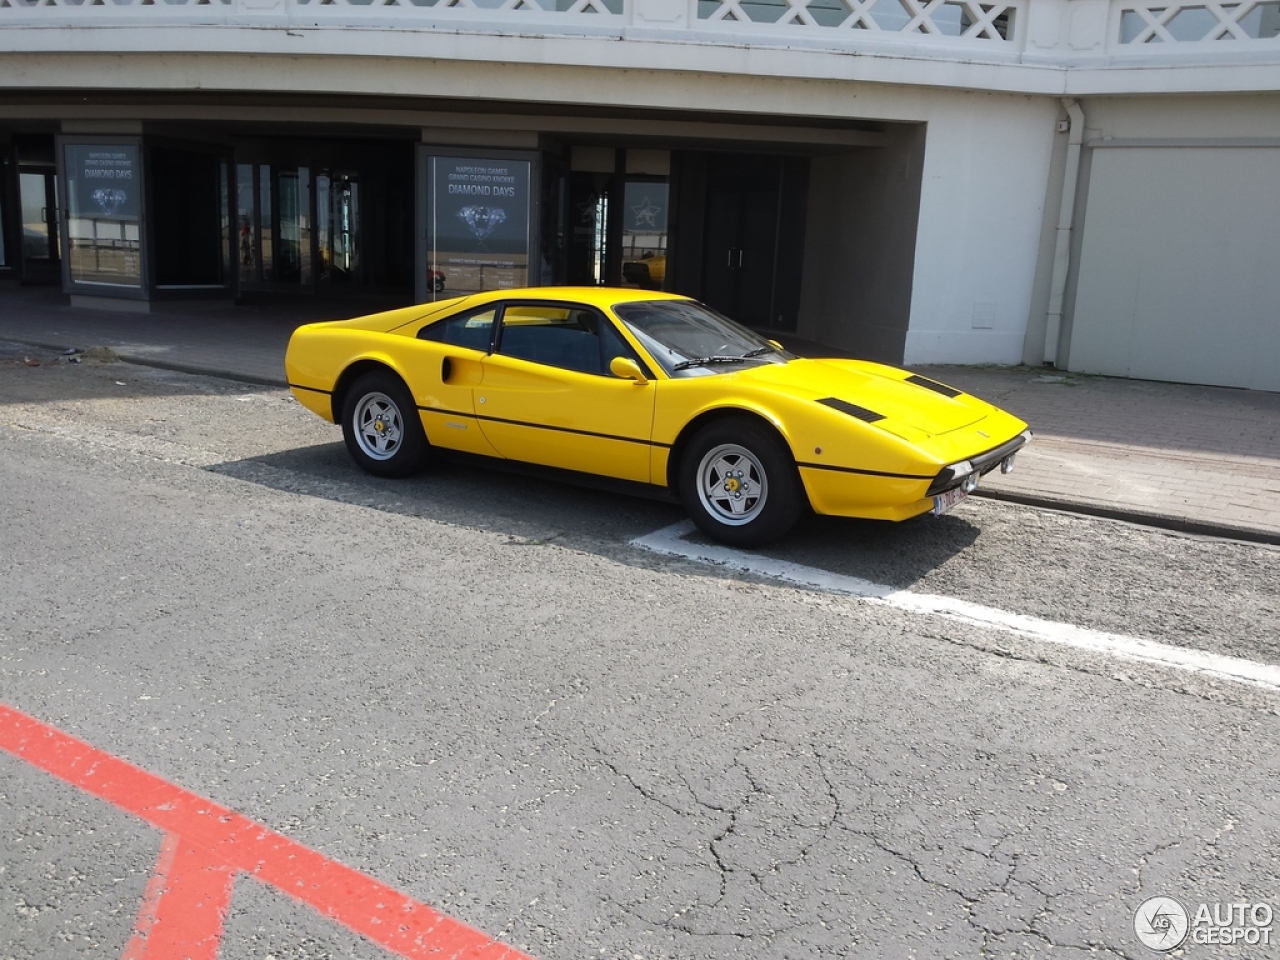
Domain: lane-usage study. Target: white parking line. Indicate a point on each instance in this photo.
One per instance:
(671, 541)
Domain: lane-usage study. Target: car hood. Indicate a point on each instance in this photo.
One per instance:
(891, 401)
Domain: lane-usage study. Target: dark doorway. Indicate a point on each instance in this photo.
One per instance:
(753, 237)
(186, 211)
(591, 255)
(325, 216)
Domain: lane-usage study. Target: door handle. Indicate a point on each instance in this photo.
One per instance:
(729, 262)
(739, 258)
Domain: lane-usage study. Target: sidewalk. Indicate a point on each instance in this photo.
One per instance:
(1198, 459)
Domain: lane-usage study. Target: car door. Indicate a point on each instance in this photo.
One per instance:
(444, 364)
(547, 396)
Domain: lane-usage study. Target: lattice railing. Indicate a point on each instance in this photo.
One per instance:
(918, 20)
(113, 4)
(966, 19)
(1137, 24)
(607, 7)
(1165, 23)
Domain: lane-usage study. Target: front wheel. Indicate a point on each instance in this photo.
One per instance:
(381, 427)
(739, 483)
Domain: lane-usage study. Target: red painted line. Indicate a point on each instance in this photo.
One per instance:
(151, 899)
(187, 918)
(206, 845)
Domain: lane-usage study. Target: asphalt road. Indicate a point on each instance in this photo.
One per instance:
(478, 689)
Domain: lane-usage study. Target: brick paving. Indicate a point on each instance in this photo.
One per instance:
(1188, 457)
(1202, 459)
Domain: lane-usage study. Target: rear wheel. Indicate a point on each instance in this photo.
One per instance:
(739, 483)
(381, 427)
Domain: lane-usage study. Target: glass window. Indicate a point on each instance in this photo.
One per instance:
(246, 218)
(293, 253)
(690, 340)
(612, 345)
(473, 330)
(568, 337)
(644, 234)
(266, 235)
(36, 242)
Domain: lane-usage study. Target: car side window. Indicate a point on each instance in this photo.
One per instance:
(571, 338)
(474, 329)
(612, 345)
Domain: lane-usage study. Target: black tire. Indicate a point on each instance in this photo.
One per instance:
(381, 426)
(739, 483)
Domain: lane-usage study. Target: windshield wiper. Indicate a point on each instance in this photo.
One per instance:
(701, 361)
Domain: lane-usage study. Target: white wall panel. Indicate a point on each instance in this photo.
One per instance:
(982, 199)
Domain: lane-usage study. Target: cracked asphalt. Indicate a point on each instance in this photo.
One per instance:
(473, 687)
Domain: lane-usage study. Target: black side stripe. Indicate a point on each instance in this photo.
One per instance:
(865, 473)
(298, 386)
(543, 426)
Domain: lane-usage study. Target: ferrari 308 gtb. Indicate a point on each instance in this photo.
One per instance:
(652, 388)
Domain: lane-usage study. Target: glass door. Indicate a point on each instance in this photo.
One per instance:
(753, 238)
(337, 219)
(644, 233)
(589, 214)
(293, 226)
(41, 261)
(273, 232)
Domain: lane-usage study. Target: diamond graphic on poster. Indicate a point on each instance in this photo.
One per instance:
(482, 221)
(109, 200)
(478, 224)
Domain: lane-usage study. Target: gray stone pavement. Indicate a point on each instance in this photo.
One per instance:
(1194, 458)
(1199, 459)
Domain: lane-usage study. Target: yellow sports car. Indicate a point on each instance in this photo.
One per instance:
(651, 388)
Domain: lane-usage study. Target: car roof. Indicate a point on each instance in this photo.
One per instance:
(593, 296)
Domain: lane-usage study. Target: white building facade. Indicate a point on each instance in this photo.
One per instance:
(1085, 183)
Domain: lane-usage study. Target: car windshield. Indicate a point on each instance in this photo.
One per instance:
(690, 340)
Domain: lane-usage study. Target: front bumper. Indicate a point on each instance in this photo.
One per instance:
(955, 474)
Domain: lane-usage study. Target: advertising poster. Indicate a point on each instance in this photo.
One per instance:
(104, 211)
(478, 225)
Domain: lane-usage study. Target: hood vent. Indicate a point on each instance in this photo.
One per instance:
(853, 410)
(933, 385)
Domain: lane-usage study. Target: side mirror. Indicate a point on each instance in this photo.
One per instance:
(624, 368)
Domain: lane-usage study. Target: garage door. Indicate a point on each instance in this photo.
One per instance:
(1179, 268)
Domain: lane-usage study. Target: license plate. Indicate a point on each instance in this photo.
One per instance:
(945, 501)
